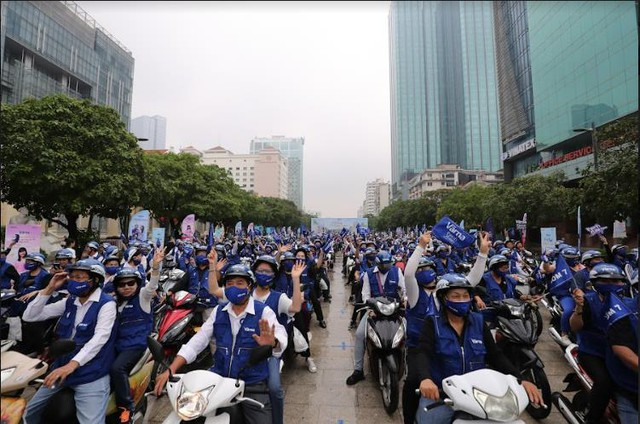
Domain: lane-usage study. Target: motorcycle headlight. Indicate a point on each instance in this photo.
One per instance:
(6, 374)
(386, 309)
(190, 406)
(502, 409)
(399, 337)
(374, 336)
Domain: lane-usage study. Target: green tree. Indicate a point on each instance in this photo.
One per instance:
(63, 158)
(467, 203)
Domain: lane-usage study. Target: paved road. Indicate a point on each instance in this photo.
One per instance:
(324, 397)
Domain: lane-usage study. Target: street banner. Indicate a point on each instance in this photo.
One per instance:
(211, 236)
(449, 232)
(28, 236)
(157, 235)
(547, 238)
(187, 227)
(596, 230)
(619, 229)
(337, 224)
(138, 226)
(579, 228)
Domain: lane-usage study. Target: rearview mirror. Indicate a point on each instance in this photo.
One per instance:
(156, 349)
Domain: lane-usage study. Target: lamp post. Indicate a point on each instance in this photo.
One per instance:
(594, 141)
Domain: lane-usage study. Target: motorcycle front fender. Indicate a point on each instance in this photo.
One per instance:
(532, 359)
(391, 362)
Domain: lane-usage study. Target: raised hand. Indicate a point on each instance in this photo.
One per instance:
(425, 239)
(158, 257)
(485, 243)
(298, 269)
(267, 334)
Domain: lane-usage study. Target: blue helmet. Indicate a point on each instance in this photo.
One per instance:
(35, 257)
(605, 271)
(92, 266)
(127, 273)
(497, 261)
(66, 253)
(570, 253)
(451, 281)
(589, 255)
(384, 257)
(93, 245)
(267, 259)
(426, 262)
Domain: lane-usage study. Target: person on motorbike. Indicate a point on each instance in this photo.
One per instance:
(589, 323)
(236, 327)
(92, 251)
(133, 259)
(134, 323)
(498, 285)
(63, 258)
(9, 276)
(88, 317)
(111, 268)
(444, 336)
(309, 282)
(444, 264)
(199, 281)
(383, 280)
(619, 252)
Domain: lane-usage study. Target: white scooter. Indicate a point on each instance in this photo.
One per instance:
(202, 393)
(484, 396)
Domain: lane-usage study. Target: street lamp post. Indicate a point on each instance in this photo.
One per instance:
(594, 141)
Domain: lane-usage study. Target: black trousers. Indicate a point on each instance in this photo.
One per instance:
(410, 400)
(602, 385)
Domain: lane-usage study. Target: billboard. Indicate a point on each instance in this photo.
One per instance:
(336, 224)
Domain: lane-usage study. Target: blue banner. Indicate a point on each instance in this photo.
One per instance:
(449, 232)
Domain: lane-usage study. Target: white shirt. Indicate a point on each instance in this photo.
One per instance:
(366, 289)
(38, 310)
(147, 293)
(200, 341)
(284, 303)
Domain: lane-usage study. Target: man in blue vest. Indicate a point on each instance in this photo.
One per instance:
(9, 276)
(456, 341)
(237, 327)
(88, 317)
(385, 279)
(498, 284)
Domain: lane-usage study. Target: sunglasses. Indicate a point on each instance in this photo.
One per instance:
(126, 283)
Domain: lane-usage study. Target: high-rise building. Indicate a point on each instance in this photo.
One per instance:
(50, 47)
(377, 196)
(583, 60)
(444, 106)
(293, 150)
(153, 131)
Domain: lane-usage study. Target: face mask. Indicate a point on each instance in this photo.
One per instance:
(30, 266)
(384, 268)
(137, 261)
(572, 262)
(287, 265)
(442, 255)
(459, 308)
(78, 288)
(426, 277)
(605, 288)
(201, 260)
(501, 273)
(111, 270)
(264, 280)
(236, 295)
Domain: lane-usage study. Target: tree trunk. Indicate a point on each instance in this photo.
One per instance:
(72, 225)
(90, 222)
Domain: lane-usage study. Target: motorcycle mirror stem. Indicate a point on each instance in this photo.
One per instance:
(156, 352)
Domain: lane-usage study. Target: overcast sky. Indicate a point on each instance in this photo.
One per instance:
(225, 72)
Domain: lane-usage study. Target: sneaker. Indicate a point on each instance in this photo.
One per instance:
(125, 416)
(311, 365)
(322, 324)
(357, 375)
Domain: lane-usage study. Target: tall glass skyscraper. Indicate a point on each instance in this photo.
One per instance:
(444, 106)
(52, 47)
(293, 150)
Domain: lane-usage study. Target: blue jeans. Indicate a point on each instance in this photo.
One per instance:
(91, 401)
(627, 411)
(122, 366)
(276, 392)
(439, 415)
(568, 305)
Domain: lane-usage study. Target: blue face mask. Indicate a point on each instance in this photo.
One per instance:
(606, 288)
(264, 280)
(572, 262)
(501, 273)
(236, 295)
(442, 255)
(287, 266)
(202, 260)
(460, 309)
(30, 266)
(137, 261)
(78, 288)
(426, 277)
(111, 270)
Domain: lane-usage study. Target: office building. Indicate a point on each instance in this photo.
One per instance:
(51, 47)
(293, 150)
(444, 106)
(152, 130)
(447, 177)
(377, 196)
(583, 60)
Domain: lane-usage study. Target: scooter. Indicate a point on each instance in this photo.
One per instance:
(18, 372)
(204, 395)
(483, 395)
(386, 333)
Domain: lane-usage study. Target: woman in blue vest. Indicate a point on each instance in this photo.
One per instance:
(237, 327)
(199, 281)
(88, 317)
(588, 321)
(456, 341)
(498, 284)
(135, 322)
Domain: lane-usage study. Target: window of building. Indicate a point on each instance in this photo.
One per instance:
(237, 168)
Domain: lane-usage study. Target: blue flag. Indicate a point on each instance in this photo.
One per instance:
(210, 237)
(449, 232)
(562, 278)
(489, 226)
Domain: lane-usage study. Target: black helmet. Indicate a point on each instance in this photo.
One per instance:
(451, 281)
(169, 262)
(239, 270)
(267, 259)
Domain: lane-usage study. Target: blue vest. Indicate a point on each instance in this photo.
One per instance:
(451, 358)
(494, 290)
(416, 316)
(98, 366)
(37, 284)
(306, 280)
(440, 267)
(615, 310)
(134, 325)
(273, 301)
(5, 280)
(199, 285)
(231, 357)
(580, 278)
(284, 284)
(390, 285)
(592, 339)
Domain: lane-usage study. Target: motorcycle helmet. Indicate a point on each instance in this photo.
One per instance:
(268, 259)
(384, 261)
(169, 262)
(35, 257)
(619, 250)
(497, 261)
(127, 273)
(93, 267)
(451, 281)
(65, 254)
(239, 270)
(589, 255)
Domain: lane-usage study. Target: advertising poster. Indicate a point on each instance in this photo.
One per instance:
(28, 236)
(619, 229)
(188, 226)
(158, 236)
(547, 238)
(138, 226)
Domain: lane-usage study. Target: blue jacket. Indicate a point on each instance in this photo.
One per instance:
(390, 285)
(134, 325)
(97, 367)
(231, 355)
(5, 280)
(494, 289)
(417, 315)
(272, 302)
(284, 283)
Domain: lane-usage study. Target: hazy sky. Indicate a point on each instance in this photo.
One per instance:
(225, 72)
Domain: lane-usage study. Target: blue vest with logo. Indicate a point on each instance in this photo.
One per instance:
(494, 289)
(390, 285)
(426, 306)
(615, 310)
(37, 284)
(592, 339)
(199, 285)
(134, 325)
(230, 358)
(5, 281)
(98, 366)
(451, 358)
(273, 301)
(442, 269)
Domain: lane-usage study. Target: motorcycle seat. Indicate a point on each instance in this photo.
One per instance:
(143, 360)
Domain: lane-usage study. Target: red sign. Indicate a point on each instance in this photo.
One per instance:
(587, 150)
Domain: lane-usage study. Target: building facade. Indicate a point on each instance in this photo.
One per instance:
(151, 128)
(293, 150)
(448, 177)
(581, 80)
(53, 47)
(377, 197)
(444, 106)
